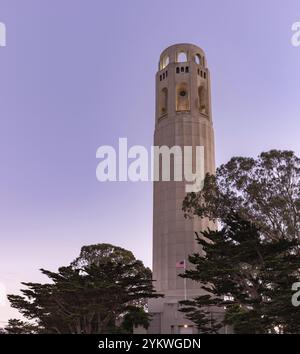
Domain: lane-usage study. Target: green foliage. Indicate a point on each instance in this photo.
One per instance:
(254, 259)
(135, 316)
(202, 312)
(255, 274)
(20, 327)
(265, 191)
(243, 320)
(89, 296)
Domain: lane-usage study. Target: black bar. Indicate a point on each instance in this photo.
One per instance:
(146, 343)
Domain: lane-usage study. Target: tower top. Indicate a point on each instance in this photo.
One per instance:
(182, 52)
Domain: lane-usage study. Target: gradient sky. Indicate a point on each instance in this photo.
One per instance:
(77, 74)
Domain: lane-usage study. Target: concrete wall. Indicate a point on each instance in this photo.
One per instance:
(183, 118)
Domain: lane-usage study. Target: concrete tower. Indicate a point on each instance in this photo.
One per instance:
(183, 118)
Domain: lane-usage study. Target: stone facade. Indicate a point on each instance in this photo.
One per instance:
(183, 118)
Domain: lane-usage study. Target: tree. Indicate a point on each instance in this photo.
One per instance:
(135, 316)
(254, 258)
(91, 295)
(201, 312)
(20, 327)
(255, 275)
(265, 191)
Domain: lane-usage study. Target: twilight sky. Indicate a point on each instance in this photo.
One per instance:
(77, 74)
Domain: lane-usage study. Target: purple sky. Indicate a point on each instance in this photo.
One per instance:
(77, 74)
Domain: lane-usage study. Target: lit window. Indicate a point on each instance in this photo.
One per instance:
(163, 103)
(182, 97)
(164, 62)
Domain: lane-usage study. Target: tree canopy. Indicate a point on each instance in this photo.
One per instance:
(265, 191)
(252, 258)
(16, 326)
(94, 294)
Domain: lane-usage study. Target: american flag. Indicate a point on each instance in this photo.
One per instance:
(180, 264)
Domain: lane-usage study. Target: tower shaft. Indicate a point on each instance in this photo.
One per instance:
(183, 118)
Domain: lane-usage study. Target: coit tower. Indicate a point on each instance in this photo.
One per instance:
(183, 118)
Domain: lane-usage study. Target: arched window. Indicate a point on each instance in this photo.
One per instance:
(198, 59)
(181, 57)
(202, 100)
(182, 97)
(164, 62)
(163, 102)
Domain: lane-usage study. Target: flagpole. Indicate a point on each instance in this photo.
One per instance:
(184, 282)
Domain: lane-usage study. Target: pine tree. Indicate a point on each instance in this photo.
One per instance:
(254, 258)
(92, 295)
(254, 273)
